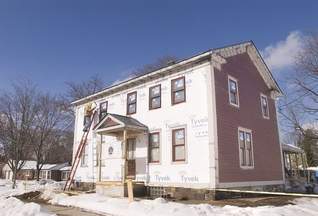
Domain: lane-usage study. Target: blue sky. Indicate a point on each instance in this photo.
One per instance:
(51, 42)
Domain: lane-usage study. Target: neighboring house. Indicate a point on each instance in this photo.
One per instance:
(52, 171)
(28, 171)
(205, 122)
(65, 173)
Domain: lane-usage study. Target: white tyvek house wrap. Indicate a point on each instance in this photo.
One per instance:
(193, 115)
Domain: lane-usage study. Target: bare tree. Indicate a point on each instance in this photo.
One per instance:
(18, 110)
(302, 105)
(159, 63)
(48, 119)
(80, 90)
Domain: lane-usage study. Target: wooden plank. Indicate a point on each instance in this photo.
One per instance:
(130, 190)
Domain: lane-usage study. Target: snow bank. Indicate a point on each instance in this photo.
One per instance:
(160, 207)
(27, 186)
(13, 206)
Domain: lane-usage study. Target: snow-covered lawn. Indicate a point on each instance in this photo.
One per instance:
(160, 207)
(10, 206)
(121, 207)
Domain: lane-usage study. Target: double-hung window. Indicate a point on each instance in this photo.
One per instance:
(178, 90)
(233, 91)
(264, 106)
(131, 103)
(84, 159)
(103, 109)
(155, 97)
(154, 147)
(246, 148)
(178, 145)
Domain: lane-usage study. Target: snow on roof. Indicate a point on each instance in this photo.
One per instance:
(67, 168)
(311, 125)
(29, 165)
(312, 168)
(48, 166)
(291, 148)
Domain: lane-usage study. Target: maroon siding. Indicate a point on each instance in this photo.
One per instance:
(267, 157)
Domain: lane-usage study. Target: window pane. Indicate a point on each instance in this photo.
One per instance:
(132, 98)
(251, 158)
(155, 91)
(248, 137)
(179, 137)
(233, 87)
(178, 84)
(132, 108)
(154, 140)
(154, 154)
(103, 107)
(179, 153)
(155, 102)
(264, 106)
(242, 154)
(179, 96)
(242, 138)
(233, 98)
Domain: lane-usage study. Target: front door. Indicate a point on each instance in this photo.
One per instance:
(131, 160)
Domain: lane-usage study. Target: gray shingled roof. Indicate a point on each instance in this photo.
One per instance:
(126, 120)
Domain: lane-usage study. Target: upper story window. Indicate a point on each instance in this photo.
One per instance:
(103, 109)
(233, 91)
(246, 148)
(154, 147)
(264, 106)
(155, 97)
(178, 90)
(131, 103)
(178, 145)
(87, 122)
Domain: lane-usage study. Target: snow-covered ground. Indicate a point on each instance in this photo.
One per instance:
(10, 206)
(160, 207)
(121, 207)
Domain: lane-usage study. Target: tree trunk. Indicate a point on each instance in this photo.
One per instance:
(38, 172)
(14, 177)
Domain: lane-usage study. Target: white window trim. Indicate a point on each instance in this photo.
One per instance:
(252, 147)
(263, 95)
(185, 145)
(229, 91)
(160, 141)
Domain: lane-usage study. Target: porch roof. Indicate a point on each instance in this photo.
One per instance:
(291, 148)
(114, 122)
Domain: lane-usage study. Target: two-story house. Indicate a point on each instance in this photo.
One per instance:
(199, 124)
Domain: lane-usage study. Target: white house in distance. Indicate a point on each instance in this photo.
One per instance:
(202, 123)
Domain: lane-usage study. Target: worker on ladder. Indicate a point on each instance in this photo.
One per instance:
(88, 111)
(89, 116)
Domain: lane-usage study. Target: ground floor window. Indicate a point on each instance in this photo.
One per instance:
(178, 144)
(246, 148)
(154, 148)
(84, 159)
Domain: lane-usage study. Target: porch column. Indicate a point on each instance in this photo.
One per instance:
(290, 164)
(99, 149)
(297, 164)
(124, 155)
